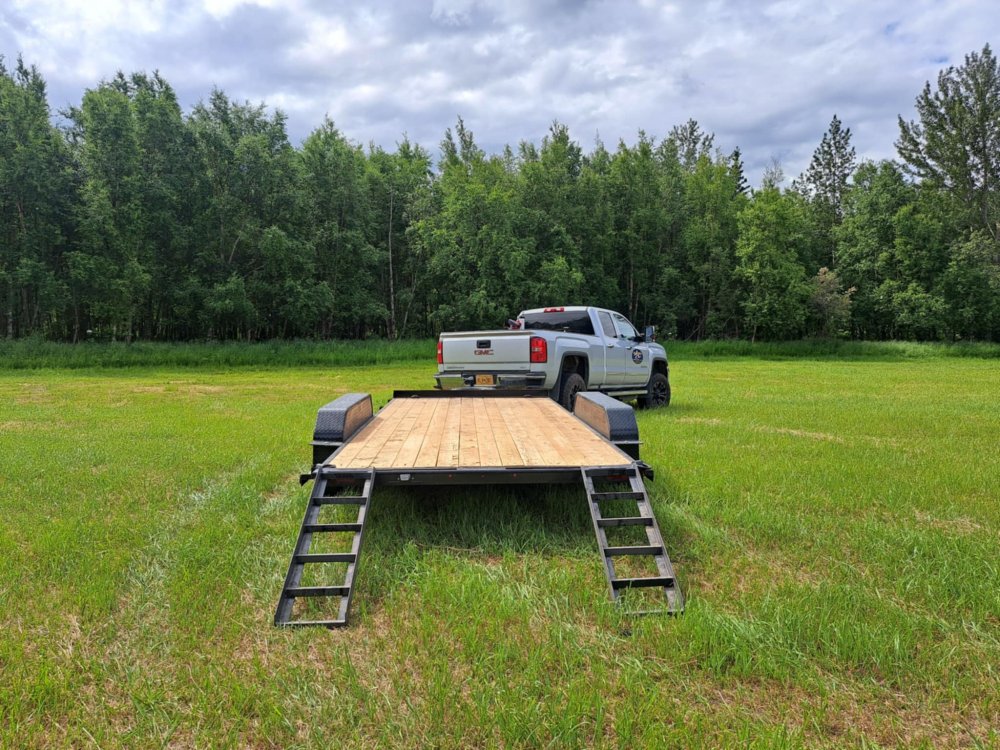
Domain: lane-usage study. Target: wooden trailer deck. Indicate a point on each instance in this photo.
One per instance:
(475, 432)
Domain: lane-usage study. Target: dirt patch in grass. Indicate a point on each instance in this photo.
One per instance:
(712, 421)
(960, 525)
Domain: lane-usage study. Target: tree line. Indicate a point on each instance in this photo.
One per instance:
(132, 219)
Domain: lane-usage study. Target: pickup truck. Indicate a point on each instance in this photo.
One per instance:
(563, 350)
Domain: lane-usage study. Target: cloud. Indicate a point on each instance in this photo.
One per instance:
(766, 77)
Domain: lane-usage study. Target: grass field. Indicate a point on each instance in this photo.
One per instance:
(834, 521)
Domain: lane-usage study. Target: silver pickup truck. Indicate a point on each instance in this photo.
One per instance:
(563, 350)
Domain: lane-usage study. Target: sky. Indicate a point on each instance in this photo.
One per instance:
(764, 76)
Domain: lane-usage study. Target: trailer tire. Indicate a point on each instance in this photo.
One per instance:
(572, 384)
(659, 392)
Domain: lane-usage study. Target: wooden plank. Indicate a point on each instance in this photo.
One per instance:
(448, 453)
(506, 445)
(513, 417)
(468, 447)
(401, 428)
(427, 457)
(544, 430)
(360, 450)
(414, 440)
(566, 446)
(489, 453)
(596, 450)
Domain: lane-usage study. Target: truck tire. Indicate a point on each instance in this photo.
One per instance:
(659, 392)
(572, 384)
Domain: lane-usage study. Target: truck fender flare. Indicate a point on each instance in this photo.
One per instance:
(652, 368)
(583, 355)
(557, 386)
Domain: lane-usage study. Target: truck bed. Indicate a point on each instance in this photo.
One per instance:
(475, 432)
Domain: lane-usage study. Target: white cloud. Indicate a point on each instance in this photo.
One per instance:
(763, 76)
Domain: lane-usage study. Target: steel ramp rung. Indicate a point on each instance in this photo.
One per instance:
(651, 549)
(320, 528)
(325, 557)
(598, 496)
(639, 583)
(297, 591)
(608, 523)
(314, 623)
(341, 500)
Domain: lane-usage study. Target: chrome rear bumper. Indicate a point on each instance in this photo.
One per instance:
(450, 380)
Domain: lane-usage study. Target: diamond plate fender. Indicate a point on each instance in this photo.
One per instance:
(337, 421)
(611, 418)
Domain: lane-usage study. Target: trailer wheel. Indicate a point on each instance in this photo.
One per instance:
(572, 384)
(659, 392)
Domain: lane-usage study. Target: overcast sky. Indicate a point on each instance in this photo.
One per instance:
(765, 76)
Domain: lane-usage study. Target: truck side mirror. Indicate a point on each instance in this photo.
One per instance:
(650, 333)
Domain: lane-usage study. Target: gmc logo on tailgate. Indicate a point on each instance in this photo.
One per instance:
(483, 352)
(483, 348)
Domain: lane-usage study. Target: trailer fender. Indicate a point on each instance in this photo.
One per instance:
(611, 418)
(337, 421)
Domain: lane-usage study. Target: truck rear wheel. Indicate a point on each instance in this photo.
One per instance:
(572, 384)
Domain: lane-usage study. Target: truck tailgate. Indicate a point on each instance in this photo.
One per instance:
(486, 350)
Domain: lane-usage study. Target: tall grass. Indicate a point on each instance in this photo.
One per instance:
(888, 351)
(36, 354)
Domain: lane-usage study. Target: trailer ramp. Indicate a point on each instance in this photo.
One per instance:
(605, 484)
(330, 488)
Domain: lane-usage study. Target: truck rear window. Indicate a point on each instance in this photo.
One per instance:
(568, 322)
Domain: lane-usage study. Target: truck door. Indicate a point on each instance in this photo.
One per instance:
(614, 351)
(637, 360)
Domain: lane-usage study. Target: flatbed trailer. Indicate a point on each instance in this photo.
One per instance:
(467, 438)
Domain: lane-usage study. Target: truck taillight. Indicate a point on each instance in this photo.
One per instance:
(539, 349)
(440, 352)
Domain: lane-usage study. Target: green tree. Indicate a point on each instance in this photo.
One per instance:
(394, 180)
(337, 218)
(866, 241)
(824, 184)
(477, 247)
(776, 294)
(830, 305)
(251, 185)
(954, 144)
(832, 164)
(692, 143)
(111, 215)
(970, 288)
(36, 192)
(711, 205)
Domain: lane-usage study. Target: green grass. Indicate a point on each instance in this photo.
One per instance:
(30, 354)
(834, 522)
